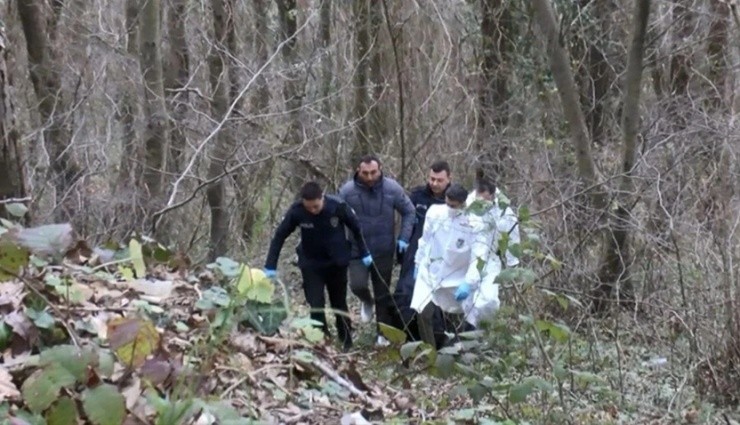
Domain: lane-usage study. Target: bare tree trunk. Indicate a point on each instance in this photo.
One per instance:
(223, 24)
(718, 39)
(176, 78)
(11, 163)
(496, 27)
(597, 76)
(395, 38)
(293, 88)
(249, 197)
(127, 214)
(377, 113)
(565, 82)
(39, 31)
(326, 59)
(155, 109)
(616, 257)
(362, 99)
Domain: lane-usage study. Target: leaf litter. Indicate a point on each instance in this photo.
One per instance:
(112, 342)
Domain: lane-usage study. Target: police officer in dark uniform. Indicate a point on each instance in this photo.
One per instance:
(424, 196)
(323, 253)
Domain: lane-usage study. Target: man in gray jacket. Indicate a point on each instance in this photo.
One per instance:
(375, 199)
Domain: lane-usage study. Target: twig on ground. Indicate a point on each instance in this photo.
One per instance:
(15, 200)
(326, 370)
(72, 333)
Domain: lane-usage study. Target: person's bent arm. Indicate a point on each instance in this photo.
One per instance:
(402, 203)
(286, 227)
(349, 218)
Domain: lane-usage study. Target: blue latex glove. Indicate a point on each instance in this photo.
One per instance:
(367, 260)
(402, 246)
(462, 291)
(270, 273)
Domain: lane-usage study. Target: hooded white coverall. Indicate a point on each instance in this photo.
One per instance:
(456, 247)
(506, 222)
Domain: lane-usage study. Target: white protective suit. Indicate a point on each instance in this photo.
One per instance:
(456, 247)
(506, 222)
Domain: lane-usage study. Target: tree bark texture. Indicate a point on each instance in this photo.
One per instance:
(362, 98)
(39, 30)
(616, 259)
(155, 109)
(223, 24)
(496, 30)
(565, 82)
(12, 182)
(176, 77)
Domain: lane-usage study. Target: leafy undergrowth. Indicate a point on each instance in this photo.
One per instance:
(133, 334)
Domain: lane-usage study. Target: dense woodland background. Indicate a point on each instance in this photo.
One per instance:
(195, 122)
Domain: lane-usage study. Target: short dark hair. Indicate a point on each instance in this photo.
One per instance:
(311, 191)
(366, 159)
(438, 166)
(486, 185)
(456, 192)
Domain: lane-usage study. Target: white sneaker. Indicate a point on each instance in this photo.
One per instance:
(382, 342)
(366, 312)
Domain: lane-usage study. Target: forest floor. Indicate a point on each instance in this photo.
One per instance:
(135, 335)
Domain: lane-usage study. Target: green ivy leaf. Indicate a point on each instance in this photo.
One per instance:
(16, 209)
(560, 372)
(73, 360)
(444, 365)
(226, 266)
(519, 392)
(104, 405)
(63, 412)
(408, 349)
(213, 297)
(312, 334)
(41, 388)
(42, 319)
(477, 392)
(523, 214)
(255, 285)
(137, 258)
(557, 331)
(12, 258)
(394, 335)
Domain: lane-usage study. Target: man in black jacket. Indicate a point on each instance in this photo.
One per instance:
(424, 196)
(323, 253)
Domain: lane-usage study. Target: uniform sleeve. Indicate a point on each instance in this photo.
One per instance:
(403, 205)
(481, 252)
(422, 252)
(349, 218)
(286, 227)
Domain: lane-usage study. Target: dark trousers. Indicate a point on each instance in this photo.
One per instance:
(380, 273)
(334, 279)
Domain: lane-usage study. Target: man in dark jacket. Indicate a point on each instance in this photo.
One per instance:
(423, 196)
(323, 253)
(376, 199)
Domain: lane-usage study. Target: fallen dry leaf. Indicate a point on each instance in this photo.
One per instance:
(133, 339)
(153, 290)
(21, 325)
(132, 393)
(8, 390)
(11, 294)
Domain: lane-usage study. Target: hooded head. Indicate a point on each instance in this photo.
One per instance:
(455, 197)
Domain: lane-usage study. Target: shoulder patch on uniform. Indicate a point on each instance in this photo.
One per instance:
(334, 221)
